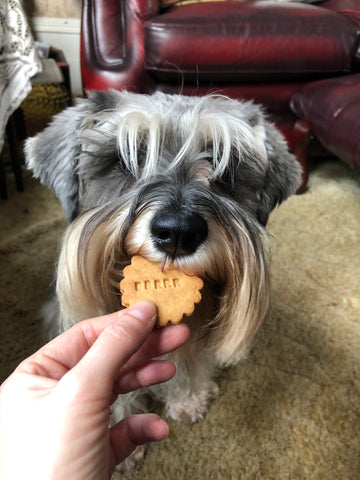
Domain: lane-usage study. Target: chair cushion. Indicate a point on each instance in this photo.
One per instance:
(248, 41)
(332, 110)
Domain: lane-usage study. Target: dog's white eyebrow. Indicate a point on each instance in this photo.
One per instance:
(144, 129)
(222, 134)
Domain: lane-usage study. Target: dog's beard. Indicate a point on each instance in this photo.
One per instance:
(233, 262)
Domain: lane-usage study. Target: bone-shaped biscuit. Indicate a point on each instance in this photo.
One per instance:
(173, 292)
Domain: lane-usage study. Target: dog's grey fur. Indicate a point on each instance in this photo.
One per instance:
(118, 162)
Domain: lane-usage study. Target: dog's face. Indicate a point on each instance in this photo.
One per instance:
(185, 180)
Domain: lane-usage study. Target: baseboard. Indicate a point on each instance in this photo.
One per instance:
(62, 33)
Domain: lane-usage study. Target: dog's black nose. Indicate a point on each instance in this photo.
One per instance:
(177, 233)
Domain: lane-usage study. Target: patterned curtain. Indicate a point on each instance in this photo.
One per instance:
(18, 60)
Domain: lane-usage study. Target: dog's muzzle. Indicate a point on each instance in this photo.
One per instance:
(177, 233)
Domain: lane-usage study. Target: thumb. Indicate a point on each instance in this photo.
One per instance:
(115, 345)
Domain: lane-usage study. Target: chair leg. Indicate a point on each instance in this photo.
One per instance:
(15, 131)
(3, 189)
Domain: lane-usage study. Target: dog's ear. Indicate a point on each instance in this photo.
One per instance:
(53, 154)
(282, 175)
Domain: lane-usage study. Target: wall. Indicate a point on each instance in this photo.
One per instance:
(58, 23)
(53, 8)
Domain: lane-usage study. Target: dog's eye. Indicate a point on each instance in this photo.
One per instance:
(122, 165)
(221, 168)
(131, 164)
(222, 185)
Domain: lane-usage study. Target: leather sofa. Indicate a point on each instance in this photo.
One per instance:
(266, 51)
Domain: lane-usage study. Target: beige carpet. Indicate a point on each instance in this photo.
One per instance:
(291, 410)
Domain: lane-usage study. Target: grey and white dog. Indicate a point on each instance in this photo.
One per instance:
(189, 181)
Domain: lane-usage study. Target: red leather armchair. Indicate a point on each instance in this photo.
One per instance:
(248, 49)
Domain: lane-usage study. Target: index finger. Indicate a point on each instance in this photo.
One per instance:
(64, 352)
(114, 346)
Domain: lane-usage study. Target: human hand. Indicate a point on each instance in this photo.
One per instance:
(55, 407)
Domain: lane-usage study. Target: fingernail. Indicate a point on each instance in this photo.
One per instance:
(144, 311)
(164, 426)
(162, 429)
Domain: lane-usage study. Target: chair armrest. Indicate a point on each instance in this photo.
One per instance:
(332, 109)
(112, 44)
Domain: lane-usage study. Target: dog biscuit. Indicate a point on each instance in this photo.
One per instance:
(173, 292)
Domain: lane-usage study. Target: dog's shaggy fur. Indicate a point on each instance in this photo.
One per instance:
(184, 180)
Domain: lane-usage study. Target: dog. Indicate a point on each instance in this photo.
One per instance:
(186, 181)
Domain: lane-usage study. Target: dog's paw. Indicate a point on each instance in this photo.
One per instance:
(192, 408)
(132, 460)
(181, 414)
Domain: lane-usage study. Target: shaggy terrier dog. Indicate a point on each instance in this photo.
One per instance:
(182, 181)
